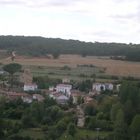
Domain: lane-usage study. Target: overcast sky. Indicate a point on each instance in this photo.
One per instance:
(86, 20)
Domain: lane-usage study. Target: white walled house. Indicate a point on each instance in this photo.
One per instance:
(65, 80)
(51, 88)
(62, 99)
(38, 97)
(64, 88)
(98, 87)
(27, 99)
(118, 87)
(2, 72)
(30, 87)
(109, 86)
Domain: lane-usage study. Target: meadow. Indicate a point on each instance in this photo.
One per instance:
(77, 66)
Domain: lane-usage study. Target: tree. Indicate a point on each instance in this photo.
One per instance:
(85, 85)
(71, 129)
(91, 123)
(130, 91)
(135, 126)
(70, 102)
(12, 69)
(79, 100)
(90, 110)
(1, 128)
(106, 105)
(61, 126)
(114, 111)
(37, 110)
(120, 128)
(128, 111)
(56, 55)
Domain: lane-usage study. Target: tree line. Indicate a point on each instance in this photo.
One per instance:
(39, 46)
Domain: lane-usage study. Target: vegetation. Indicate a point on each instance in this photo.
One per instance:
(12, 69)
(39, 46)
(117, 117)
(108, 117)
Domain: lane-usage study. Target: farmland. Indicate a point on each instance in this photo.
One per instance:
(76, 65)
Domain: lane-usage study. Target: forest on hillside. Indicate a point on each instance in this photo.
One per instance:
(39, 46)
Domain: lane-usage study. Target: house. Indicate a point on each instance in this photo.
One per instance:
(15, 95)
(62, 99)
(118, 87)
(65, 80)
(27, 99)
(94, 93)
(30, 87)
(38, 97)
(59, 97)
(64, 88)
(2, 72)
(98, 87)
(54, 95)
(51, 88)
(109, 86)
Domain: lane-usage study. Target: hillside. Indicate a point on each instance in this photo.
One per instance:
(39, 46)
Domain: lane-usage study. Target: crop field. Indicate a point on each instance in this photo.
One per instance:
(72, 65)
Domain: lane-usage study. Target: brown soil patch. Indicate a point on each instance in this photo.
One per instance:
(113, 67)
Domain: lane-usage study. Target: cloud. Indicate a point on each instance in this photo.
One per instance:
(38, 3)
(104, 33)
(12, 2)
(100, 20)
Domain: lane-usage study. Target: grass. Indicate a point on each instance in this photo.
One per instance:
(35, 133)
(112, 67)
(75, 73)
(82, 133)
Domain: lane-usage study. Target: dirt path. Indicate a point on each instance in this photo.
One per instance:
(81, 117)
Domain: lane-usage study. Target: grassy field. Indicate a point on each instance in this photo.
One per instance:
(35, 133)
(82, 133)
(43, 66)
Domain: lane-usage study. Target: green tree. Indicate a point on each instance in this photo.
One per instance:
(120, 127)
(56, 55)
(70, 102)
(85, 85)
(71, 129)
(91, 123)
(61, 126)
(90, 110)
(79, 100)
(128, 111)
(130, 91)
(106, 105)
(12, 69)
(37, 110)
(1, 128)
(114, 111)
(135, 126)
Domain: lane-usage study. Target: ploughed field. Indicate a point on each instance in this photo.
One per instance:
(77, 64)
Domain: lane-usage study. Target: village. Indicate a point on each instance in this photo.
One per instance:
(84, 109)
(33, 107)
(62, 92)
